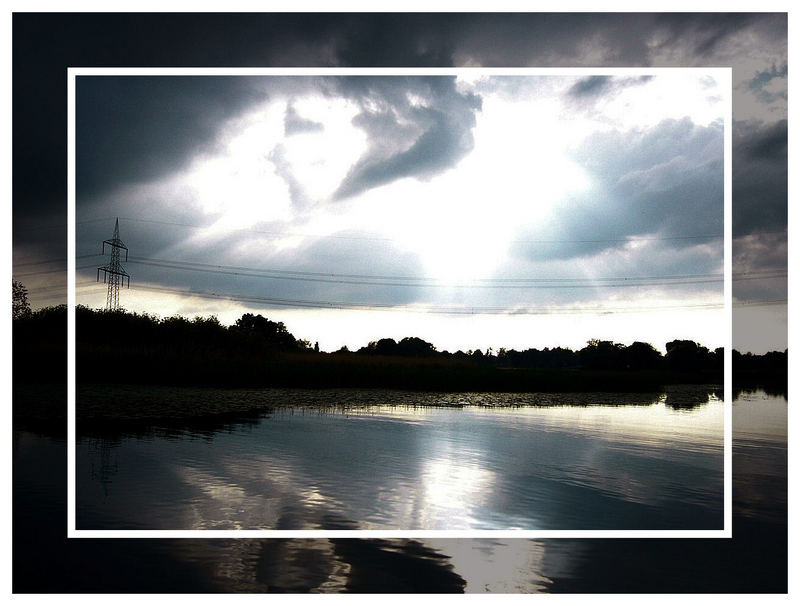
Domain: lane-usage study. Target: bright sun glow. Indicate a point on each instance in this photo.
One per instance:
(253, 178)
(239, 185)
(265, 190)
(461, 222)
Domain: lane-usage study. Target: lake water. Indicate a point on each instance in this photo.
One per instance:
(472, 461)
(754, 560)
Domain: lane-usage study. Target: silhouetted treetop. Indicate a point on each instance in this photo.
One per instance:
(20, 307)
(381, 347)
(266, 332)
(684, 355)
(408, 346)
(641, 356)
(602, 355)
(414, 346)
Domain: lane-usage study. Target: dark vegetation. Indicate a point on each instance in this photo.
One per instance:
(122, 347)
(258, 352)
(768, 372)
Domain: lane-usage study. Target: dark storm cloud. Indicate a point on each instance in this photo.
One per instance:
(417, 127)
(44, 45)
(609, 39)
(396, 40)
(590, 87)
(760, 177)
(551, 40)
(593, 87)
(699, 35)
(758, 83)
(666, 181)
(293, 123)
(136, 129)
(759, 263)
(587, 92)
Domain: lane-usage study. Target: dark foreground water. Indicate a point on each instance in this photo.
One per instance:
(754, 560)
(413, 466)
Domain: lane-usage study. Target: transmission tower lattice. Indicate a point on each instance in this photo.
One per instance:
(113, 272)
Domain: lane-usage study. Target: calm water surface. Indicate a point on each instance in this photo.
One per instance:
(412, 466)
(754, 560)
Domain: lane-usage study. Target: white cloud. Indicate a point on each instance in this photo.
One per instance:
(506, 170)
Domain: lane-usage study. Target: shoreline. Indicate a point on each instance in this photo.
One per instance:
(42, 407)
(115, 403)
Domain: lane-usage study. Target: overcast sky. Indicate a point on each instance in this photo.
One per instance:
(544, 210)
(446, 195)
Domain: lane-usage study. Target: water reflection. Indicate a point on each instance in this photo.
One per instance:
(417, 467)
(760, 462)
(753, 561)
(685, 397)
(502, 565)
(447, 484)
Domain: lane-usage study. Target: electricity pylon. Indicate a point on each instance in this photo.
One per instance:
(113, 272)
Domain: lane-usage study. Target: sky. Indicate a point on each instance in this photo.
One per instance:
(495, 203)
(537, 211)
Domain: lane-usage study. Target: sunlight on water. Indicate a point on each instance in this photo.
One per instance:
(497, 565)
(129, 481)
(417, 467)
(656, 425)
(447, 484)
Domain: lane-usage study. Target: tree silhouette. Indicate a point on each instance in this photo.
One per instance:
(414, 346)
(686, 355)
(261, 331)
(20, 307)
(641, 356)
(381, 347)
(602, 355)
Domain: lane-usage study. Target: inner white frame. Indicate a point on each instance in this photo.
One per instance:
(722, 75)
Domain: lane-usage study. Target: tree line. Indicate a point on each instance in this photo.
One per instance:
(596, 355)
(254, 334)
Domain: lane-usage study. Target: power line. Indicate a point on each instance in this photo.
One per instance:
(385, 239)
(465, 310)
(761, 303)
(150, 260)
(153, 261)
(53, 271)
(532, 283)
(374, 280)
(59, 260)
(468, 310)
